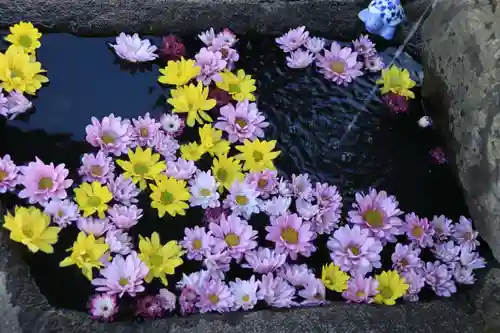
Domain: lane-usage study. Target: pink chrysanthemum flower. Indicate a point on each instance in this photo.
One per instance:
(314, 293)
(62, 212)
(167, 299)
(354, 251)
(465, 235)
(14, 104)
(265, 182)
(416, 281)
(396, 103)
(364, 46)
(244, 293)
(124, 190)
(276, 206)
(103, 307)
(240, 122)
(119, 241)
(299, 59)
(325, 221)
(285, 187)
(264, 260)
(301, 186)
(94, 226)
(315, 44)
(217, 263)
(166, 145)
(122, 275)
(293, 39)
(242, 199)
(148, 307)
(197, 242)
(96, 167)
(406, 257)
(172, 124)
(360, 289)
(211, 63)
(443, 227)
(276, 292)
(418, 230)
(291, 235)
(111, 135)
(374, 63)
(124, 217)
(238, 235)
(327, 196)
(296, 275)
(229, 55)
(214, 214)
(379, 213)
(43, 181)
(446, 252)
(9, 173)
(339, 65)
(144, 131)
(440, 278)
(172, 48)
(438, 155)
(306, 209)
(215, 295)
(187, 301)
(180, 169)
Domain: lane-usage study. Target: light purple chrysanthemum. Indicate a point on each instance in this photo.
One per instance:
(360, 289)
(122, 275)
(276, 292)
(62, 212)
(326, 220)
(215, 295)
(43, 181)
(103, 307)
(327, 196)
(306, 209)
(406, 258)
(148, 307)
(314, 293)
(465, 235)
(439, 277)
(166, 145)
(265, 182)
(291, 235)
(111, 135)
(124, 217)
(227, 36)
(95, 226)
(4, 110)
(301, 186)
(229, 54)
(210, 63)
(214, 215)
(284, 188)
(471, 259)
(299, 59)
(463, 275)
(119, 241)
(373, 63)
(416, 281)
(264, 260)
(197, 242)
(293, 39)
(244, 293)
(217, 263)
(134, 49)
(276, 206)
(96, 167)
(379, 213)
(238, 235)
(240, 122)
(339, 65)
(418, 230)
(296, 275)
(242, 199)
(187, 301)
(9, 174)
(124, 190)
(14, 104)
(172, 124)
(207, 37)
(315, 44)
(354, 251)
(167, 299)
(443, 227)
(364, 46)
(180, 169)
(144, 131)
(446, 252)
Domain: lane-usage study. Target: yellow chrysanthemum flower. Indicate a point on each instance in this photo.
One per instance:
(25, 35)
(142, 165)
(334, 278)
(86, 253)
(397, 81)
(240, 86)
(212, 142)
(92, 198)
(160, 259)
(18, 72)
(179, 72)
(194, 101)
(192, 151)
(226, 170)
(391, 286)
(30, 226)
(258, 155)
(170, 196)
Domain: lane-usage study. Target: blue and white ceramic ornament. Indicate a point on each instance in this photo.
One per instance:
(382, 17)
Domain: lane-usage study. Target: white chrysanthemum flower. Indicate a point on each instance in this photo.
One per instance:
(276, 206)
(204, 191)
(134, 49)
(242, 199)
(244, 293)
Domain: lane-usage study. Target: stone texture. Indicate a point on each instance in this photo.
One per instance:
(462, 80)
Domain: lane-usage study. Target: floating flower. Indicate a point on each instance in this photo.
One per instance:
(391, 286)
(96, 167)
(172, 124)
(416, 281)
(119, 241)
(374, 63)
(187, 301)
(465, 235)
(354, 251)
(144, 131)
(361, 289)
(125, 217)
(296, 275)
(97, 227)
(43, 181)
(285, 188)
(406, 258)
(166, 145)
(87, 252)
(244, 293)
(207, 37)
(242, 121)
(339, 64)
(301, 186)
(293, 39)
(4, 110)
(299, 59)
(241, 86)
(443, 227)
(179, 72)
(181, 169)
(227, 37)
(440, 278)
(463, 275)
(169, 196)
(425, 121)
(314, 293)
(306, 209)
(111, 135)
(315, 44)
(197, 242)
(418, 230)
(218, 261)
(242, 199)
(123, 190)
(291, 235)
(103, 307)
(364, 46)
(226, 170)
(438, 155)
(238, 236)
(326, 220)
(203, 188)
(276, 292)
(327, 196)
(167, 299)
(215, 296)
(258, 155)
(334, 278)
(148, 307)
(9, 174)
(93, 198)
(265, 182)
(446, 252)
(229, 55)
(210, 63)
(192, 151)
(192, 100)
(25, 35)
(15, 104)
(19, 72)
(134, 49)
(160, 259)
(62, 212)
(30, 226)
(212, 142)
(142, 165)
(397, 81)
(276, 206)
(172, 48)
(264, 260)
(395, 102)
(471, 259)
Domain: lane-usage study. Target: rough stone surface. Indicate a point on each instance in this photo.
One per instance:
(462, 80)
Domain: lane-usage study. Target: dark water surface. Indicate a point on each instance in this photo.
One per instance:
(308, 115)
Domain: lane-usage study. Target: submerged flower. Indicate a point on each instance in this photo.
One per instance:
(264, 260)
(293, 39)
(210, 63)
(240, 85)
(240, 122)
(354, 251)
(181, 169)
(395, 102)
(276, 206)
(123, 190)
(15, 105)
(215, 296)
(334, 278)
(438, 155)
(97, 227)
(124, 217)
(197, 242)
(315, 44)
(406, 258)
(111, 135)
(166, 145)
(361, 289)
(203, 188)
(276, 292)
(446, 252)
(242, 199)
(443, 227)
(172, 124)
(30, 226)
(416, 281)
(257, 155)
(226, 170)
(440, 278)
(93, 198)
(96, 167)
(244, 293)
(9, 174)
(299, 59)
(43, 181)
(142, 165)
(144, 131)
(193, 100)
(62, 212)
(236, 234)
(374, 63)
(169, 196)
(172, 48)
(103, 307)
(418, 230)
(134, 49)
(339, 64)
(364, 46)
(179, 72)
(25, 35)
(465, 235)
(397, 81)
(391, 286)
(119, 241)
(148, 307)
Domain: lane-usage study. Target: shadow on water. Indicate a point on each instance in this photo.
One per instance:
(307, 115)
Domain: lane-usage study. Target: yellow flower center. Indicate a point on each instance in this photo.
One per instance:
(469, 235)
(257, 156)
(403, 262)
(232, 239)
(141, 169)
(337, 67)
(360, 293)
(241, 200)
(45, 183)
(374, 218)
(197, 244)
(205, 192)
(214, 299)
(123, 282)
(156, 260)
(60, 213)
(234, 88)
(224, 52)
(290, 235)
(144, 132)
(439, 231)
(417, 231)
(354, 250)
(15, 73)
(96, 170)
(262, 183)
(94, 201)
(222, 174)
(27, 230)
(241, 122)
(25, 41)
(3, 175)
(167, 198)
(386, 292)
(245, 298)
(108, 138)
